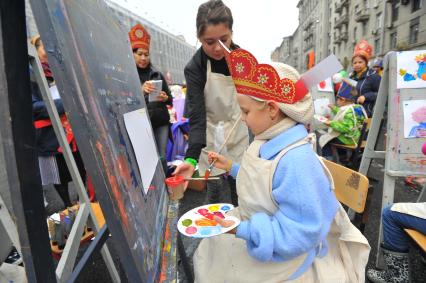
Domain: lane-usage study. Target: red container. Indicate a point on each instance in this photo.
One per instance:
(175, 185)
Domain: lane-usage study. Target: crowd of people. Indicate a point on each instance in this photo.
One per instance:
(292, 226)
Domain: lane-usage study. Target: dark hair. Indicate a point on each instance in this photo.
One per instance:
(362, 57)
(213, 12)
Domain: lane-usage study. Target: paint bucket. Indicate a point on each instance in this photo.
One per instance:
(176, 186)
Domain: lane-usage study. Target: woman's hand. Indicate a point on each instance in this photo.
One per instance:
(361, 99)
(147, 87)
(186, 170)
(163, 97)
(225, 223)
(220, 161)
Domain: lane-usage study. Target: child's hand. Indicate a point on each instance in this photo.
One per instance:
(225, 223)
(330, 106)
(221, 161)
(327, 123)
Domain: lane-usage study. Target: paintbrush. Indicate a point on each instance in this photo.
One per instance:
(201, 178)
(209, 169)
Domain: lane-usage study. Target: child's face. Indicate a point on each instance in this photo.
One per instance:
(342, 102)
(255, 114)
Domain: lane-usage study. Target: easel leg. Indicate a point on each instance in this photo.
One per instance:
(387, 199)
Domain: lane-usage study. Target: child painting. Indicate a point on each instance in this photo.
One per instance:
(292, 227)
(348, 118)
(419, 116)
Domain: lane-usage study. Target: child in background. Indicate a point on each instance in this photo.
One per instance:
(286, 199)
(345, 127)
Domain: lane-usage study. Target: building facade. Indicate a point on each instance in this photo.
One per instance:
(169, 53)
(335, 26)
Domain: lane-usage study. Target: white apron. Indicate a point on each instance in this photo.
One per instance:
(415, 209)
(222, 106)
(331, 134)
(224, 258)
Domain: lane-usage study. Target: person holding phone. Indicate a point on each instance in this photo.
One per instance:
(149, 77)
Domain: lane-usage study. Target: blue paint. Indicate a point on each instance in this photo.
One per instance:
(209, 230)
(225, 208)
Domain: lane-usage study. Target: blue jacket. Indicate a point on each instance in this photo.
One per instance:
(368, 85)
(307, 205)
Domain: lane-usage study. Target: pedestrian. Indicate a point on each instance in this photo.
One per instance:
(396, 242)
(140, 41)
(368, 81)
(345, 126)
(53, 168)
(211, 104)
(286, 200)
(378, 66)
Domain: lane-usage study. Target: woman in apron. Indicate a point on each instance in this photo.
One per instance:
(396, 242)
(292, 227)
(211, 104)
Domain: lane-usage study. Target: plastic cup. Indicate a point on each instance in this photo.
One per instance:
(176, 187)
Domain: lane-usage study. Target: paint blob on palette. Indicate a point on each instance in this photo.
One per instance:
(199, 223)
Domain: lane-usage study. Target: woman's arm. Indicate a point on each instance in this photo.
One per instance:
(195, 110)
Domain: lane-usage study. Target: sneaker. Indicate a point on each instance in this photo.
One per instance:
(14, 258)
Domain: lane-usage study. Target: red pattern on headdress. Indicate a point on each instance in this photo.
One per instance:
(139, 37)
(363, 48)
(262, 80)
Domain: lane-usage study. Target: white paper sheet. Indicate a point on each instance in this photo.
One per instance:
(410, 73)
(321, 106)
(324, 69)
(142, 138)
(54, 93)
(414, 119)
(325, 85)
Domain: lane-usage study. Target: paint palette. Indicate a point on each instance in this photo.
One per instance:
(199, 223)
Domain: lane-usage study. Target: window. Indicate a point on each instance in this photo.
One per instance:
(355, 33)
(364, 28)
(377, 45)
(395, 10)
(417, 5)
(414, 30)
(393, 39)
(356, 9)
(366, 4)
(379, 20)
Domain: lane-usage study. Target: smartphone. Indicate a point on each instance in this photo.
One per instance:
(158, 85)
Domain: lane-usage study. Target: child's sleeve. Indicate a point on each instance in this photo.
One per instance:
(344, 126)
(307, 206)
(234, 170)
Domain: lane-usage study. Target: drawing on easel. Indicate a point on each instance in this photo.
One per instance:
(411, 66)
(325, 85)
(415, 119)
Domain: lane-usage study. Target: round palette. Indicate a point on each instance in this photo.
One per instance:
(199, 223)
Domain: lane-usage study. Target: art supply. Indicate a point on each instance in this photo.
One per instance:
(207, 173)
(51, 228)
(199, 222)
(202, 178)
(176, 186)
(59, 234)
(158, 85)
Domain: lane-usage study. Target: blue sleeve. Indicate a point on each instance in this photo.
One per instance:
(307, 206)
(39, 107)
(371, 94)
(234, 170)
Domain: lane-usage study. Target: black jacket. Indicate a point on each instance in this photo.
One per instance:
(368, 85)
(195, 108)
(158, 112)
(46, 141)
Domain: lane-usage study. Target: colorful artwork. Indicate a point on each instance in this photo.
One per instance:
(199, 222)
(415, 119)
(411, 67)
(325, 85)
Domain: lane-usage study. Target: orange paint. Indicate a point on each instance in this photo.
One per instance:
(205, 222)
(114, 187)
(124, 171)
